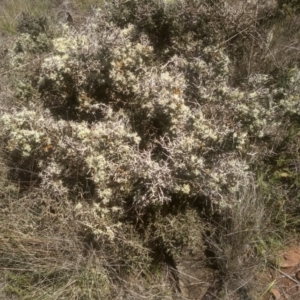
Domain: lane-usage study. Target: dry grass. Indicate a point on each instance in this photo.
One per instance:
(10, 11)
(45, 253)
(86, 4)
(234, 241)
(283, 46)
(41, 254)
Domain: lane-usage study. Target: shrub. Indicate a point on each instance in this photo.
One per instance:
(143, 125)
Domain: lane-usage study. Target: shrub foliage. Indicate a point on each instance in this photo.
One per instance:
(143, 117)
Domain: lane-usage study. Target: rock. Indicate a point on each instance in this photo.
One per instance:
(64, 17)
(275, 293)
(291, 259)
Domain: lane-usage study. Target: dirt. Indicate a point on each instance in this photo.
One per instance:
(281, 281)
(194, 277)
(276, 282)
(287, 275)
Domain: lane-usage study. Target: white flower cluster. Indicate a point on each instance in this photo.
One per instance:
(23, 135)
(128, 62)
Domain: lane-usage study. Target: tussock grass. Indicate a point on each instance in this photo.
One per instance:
(238, 232)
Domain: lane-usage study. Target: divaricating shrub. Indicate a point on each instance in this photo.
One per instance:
(138, 124)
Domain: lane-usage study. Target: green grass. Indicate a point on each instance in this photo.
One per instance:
(11, 11)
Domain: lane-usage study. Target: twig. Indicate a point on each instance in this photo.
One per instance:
(288, 276)
(187, 275)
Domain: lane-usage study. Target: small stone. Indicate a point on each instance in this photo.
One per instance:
(275, 294)
(291, 259)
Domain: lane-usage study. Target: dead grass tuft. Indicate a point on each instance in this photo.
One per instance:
(234, 241)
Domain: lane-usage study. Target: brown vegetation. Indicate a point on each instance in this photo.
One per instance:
(149, 149)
